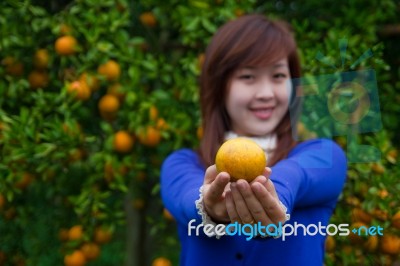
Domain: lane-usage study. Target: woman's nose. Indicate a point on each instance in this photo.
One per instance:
(265, 90)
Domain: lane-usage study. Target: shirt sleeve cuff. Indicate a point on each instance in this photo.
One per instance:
(202, 212)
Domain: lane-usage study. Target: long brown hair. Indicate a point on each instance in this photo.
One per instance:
(251, 40)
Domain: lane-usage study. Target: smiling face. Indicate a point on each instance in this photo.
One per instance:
(258, 98)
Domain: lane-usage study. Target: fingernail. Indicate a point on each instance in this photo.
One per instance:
(223, 177)
(240, 184)
(265, 181)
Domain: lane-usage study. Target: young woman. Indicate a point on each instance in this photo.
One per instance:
(246, 90)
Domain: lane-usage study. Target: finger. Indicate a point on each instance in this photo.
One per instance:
(227, 188)
(217, 187)
(271, 188)
(260, 179)
(267, 172)
(263, 179)
(253, 204)
(211, 174)
(269, 203)
(231, 208)
(241, 207)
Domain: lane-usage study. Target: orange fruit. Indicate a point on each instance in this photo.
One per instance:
(140, 176)
(110, 70)
(76, 155)
(75, 232)
(372, 243)
(109, 172)
(41, 59)
(65, 29)
(18, 260)
(342, 141)
(143, 46)
(353, 201)
(378, 168)
(396, 220)
(12, 66)
(38, 79)
(123, 142)
(66, 45)
(24, 181)
(392, 156)
(138, 204)
(355, 238)
(153, 113)
(390, 244)
(2, 201)
(347, 249)
(149, 136)
(3, 258)
(383, 193)
(148, 19)
(360, 215)
(363, 189)
(330, 244)
(199, 132)
(301, 129)
(239, 12)
(161, 261)
(91, 81)
(90, 250)
(10, 213)
(242, 158)
(303, 133)
(380, 214)
(76, 129)
(108, 104)
(102, 235)
(80, 90)
(76, 258)
(63, 234)
(167, 215)
(161, 124)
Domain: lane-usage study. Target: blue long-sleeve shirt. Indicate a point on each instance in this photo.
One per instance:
(308, 182)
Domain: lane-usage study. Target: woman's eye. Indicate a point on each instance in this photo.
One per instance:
(280, 75)
(246, 77)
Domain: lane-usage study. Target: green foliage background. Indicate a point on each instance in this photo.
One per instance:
(159, 67)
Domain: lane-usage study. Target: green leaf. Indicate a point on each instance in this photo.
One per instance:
(211, 28)
(193, 24)
(44, 150)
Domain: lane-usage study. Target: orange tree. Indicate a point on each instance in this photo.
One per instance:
(95, 95)
(88, 112)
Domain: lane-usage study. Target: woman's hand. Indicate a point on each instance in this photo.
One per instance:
(254, 202)
(214, 187)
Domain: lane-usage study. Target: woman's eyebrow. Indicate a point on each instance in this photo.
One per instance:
(280, 65)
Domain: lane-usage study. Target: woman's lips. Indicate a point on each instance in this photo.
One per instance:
(262, 113)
